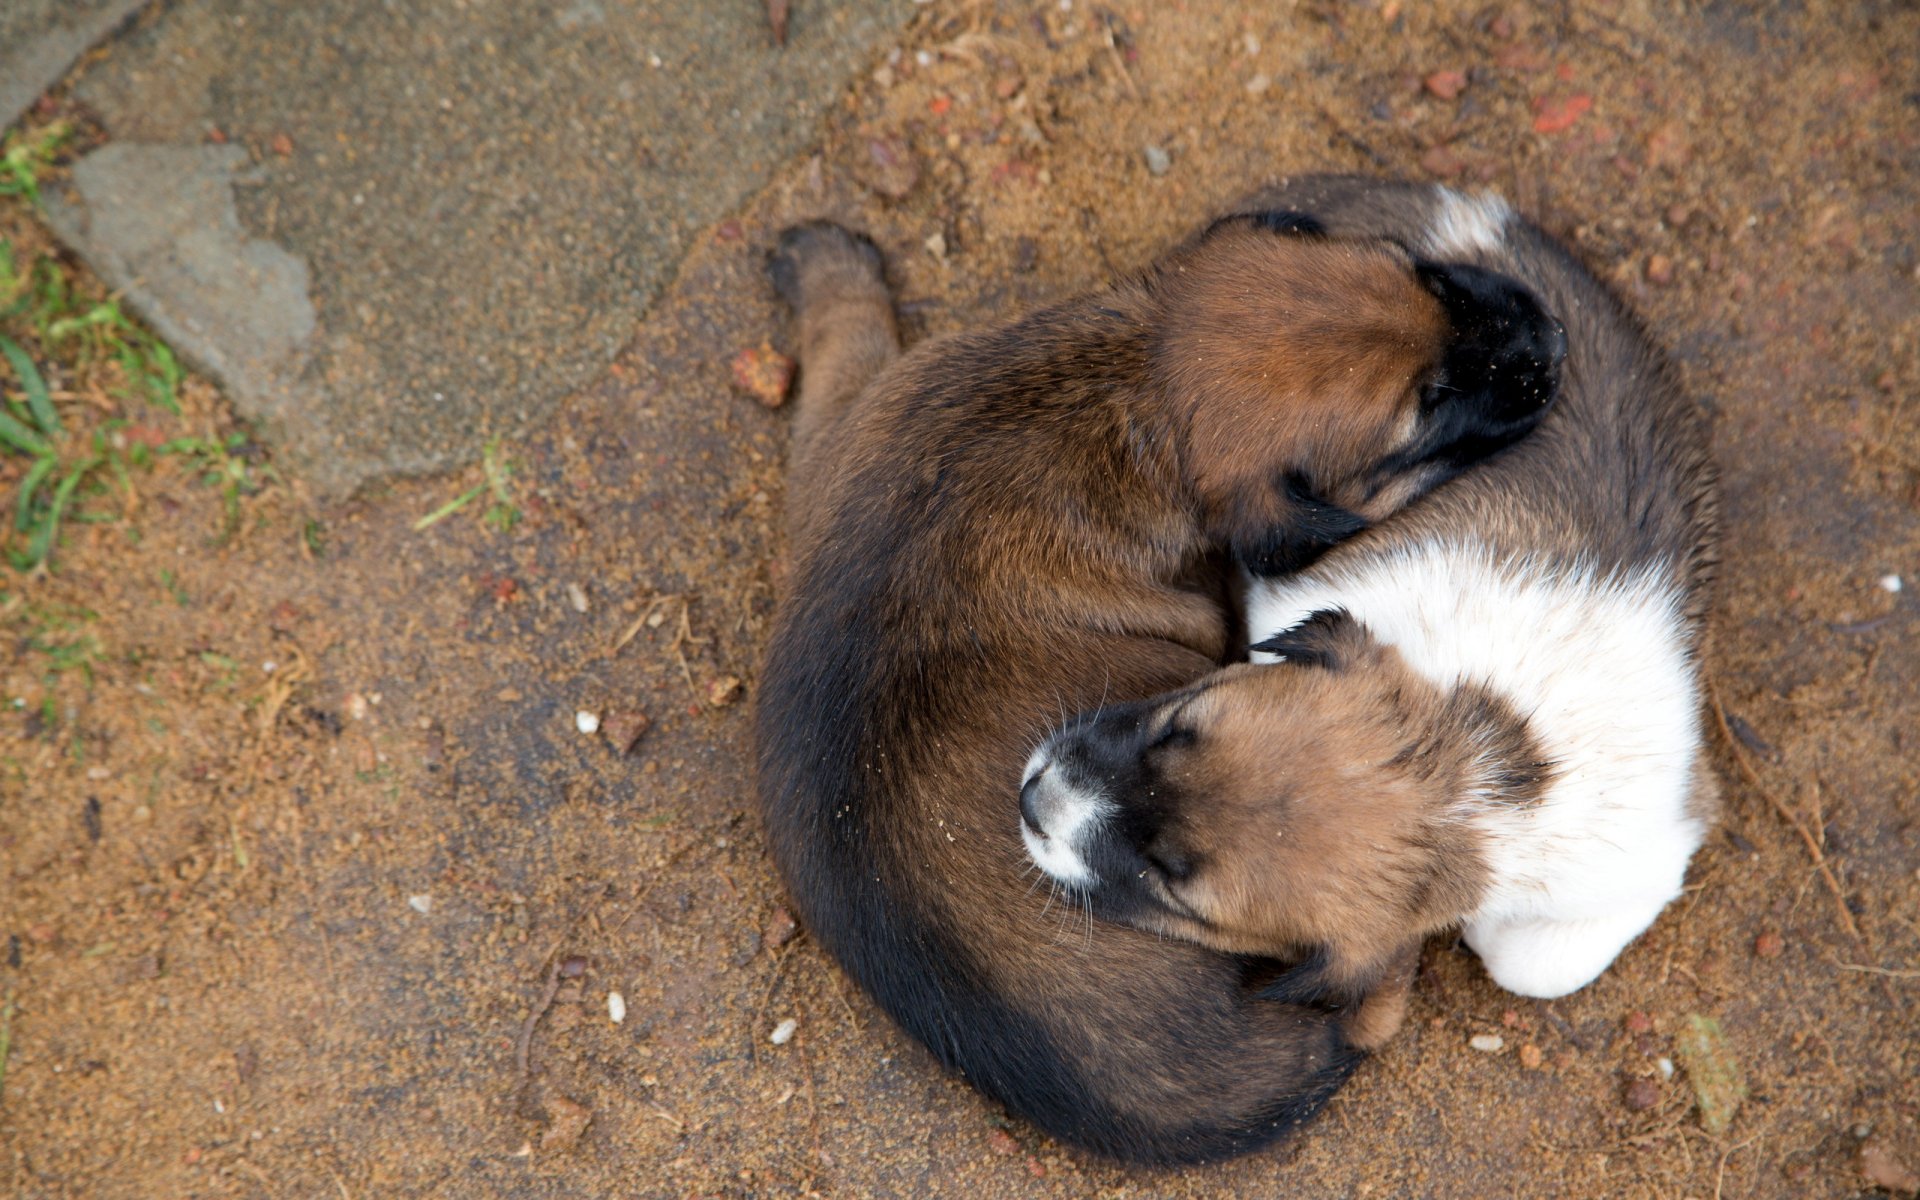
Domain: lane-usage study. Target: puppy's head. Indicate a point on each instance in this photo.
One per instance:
(1345, 373)
(1315, 804)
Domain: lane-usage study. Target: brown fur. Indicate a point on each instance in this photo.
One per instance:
(1017, 522)
(1308, 806)
(1327, 832)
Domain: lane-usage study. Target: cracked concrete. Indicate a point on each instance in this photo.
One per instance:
(40, 39)
(487, 195)
(160, 225)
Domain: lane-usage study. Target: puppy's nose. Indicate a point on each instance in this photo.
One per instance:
(1030, 801)
(1556, 345)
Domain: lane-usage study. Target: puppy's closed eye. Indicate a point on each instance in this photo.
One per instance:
(1174, 737)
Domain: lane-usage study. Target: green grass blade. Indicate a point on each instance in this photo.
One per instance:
(449, 508)
(38, 402)
(36, 475)
(42, 543)
(16, 434)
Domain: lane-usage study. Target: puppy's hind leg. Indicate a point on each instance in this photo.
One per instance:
(832, 280)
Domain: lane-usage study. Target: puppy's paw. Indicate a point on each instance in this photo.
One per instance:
(818, 261)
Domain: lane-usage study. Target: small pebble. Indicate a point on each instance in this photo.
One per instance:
(1769, 944)
(783, 1032)
(566, 1121)
(573, 968)
(1258, 85)
(763, 373)
(1639, 1022)
(623, 728)
(422, 903)
(1664, 1066)
(923, 57)
(723, 691)
(1447, 85)
(357, 707)
(1891, 583)
(1530, 1057)
(1487, 1043)
(577, 596)
(1158, 160)
(1659, 269)
(586, 722)
(781, 928)
(616, 1007)
(1642, 1094)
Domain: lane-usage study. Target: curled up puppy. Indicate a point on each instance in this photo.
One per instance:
(1486, 712)
(1023, 520)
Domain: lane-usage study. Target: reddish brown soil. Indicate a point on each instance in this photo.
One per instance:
(223, 982)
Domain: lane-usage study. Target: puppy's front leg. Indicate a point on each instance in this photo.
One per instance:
(1372, 988)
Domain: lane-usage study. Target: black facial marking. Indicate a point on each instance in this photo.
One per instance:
(1276, 221)
(1328, 640)
(1500, 372)
(1310, 527)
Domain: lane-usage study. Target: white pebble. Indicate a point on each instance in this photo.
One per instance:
(1891, 583)
(923, 57)
(357, 707)
(783, 1032)
(577, 596)
(1487, 1043)
(422, 904)
(1258, 85)
(616, 1007)
(586, 722)
(1158, 160)
(1664, 1066)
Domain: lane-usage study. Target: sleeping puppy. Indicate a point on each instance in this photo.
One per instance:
(1486, 713)
(1009, 524)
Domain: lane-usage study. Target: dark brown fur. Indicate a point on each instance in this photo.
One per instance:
(1011, 524)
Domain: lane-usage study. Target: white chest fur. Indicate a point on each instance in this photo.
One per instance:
(1600, 670)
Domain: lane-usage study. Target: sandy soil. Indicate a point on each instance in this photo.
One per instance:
(348, 927)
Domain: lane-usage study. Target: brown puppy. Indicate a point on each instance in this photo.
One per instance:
(1488, 711)
(1013, 523)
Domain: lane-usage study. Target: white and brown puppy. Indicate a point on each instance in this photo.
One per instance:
(1489, 710)
(1025, 519)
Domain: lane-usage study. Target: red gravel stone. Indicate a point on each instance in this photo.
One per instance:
(1557, 113)
(1641, 1095)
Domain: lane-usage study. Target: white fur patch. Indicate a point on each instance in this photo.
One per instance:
(1066, 815)
(1466, 225)
(1599, 668)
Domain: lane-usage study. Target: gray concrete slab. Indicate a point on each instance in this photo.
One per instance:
(486, 195)
(161, 221)
(40, 39)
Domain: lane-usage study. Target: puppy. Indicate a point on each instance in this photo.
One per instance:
(1487, 711)
(1012, 523)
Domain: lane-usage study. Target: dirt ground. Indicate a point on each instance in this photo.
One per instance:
(347, 925)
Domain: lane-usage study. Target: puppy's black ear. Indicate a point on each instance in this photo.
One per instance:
(1275, 221)
(1330, 639)
(1306, 528)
